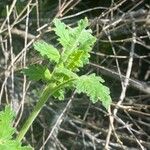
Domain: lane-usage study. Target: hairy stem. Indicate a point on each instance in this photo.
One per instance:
(47, 92)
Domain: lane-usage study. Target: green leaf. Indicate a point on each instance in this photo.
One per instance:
(59, 94)
(69, 37)
(93, 87)
(77, 59)
(77, 43)
(63, 32)
(6, 132)
(47, 50)
(13, 145)
(62, 74)
(65, 73)
(37, 72)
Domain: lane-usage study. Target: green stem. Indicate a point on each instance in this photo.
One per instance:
(47, 92)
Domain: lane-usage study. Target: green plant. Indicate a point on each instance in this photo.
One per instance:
(7, 131)
(76, 44)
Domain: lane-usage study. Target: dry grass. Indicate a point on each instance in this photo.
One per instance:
(121, 55)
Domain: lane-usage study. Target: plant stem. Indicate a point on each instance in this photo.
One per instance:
(47, 92)
(45, 95)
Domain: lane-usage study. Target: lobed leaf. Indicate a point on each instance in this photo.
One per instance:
(47, 50)
(65, 73)
(62, 74)
(93, 87)
(59, 94)
(77, 43)
(37, 72)
(76, 60)
(63, 32)
(6, 132)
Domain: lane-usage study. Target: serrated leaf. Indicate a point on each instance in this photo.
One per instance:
(76, 60)
(6, 132)
(65, 73)
(62, 74)
(93, 87)
(47, 50)
(37, 72)
(63, 32)
(13, 145)
(59, 94)
(77, 43)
